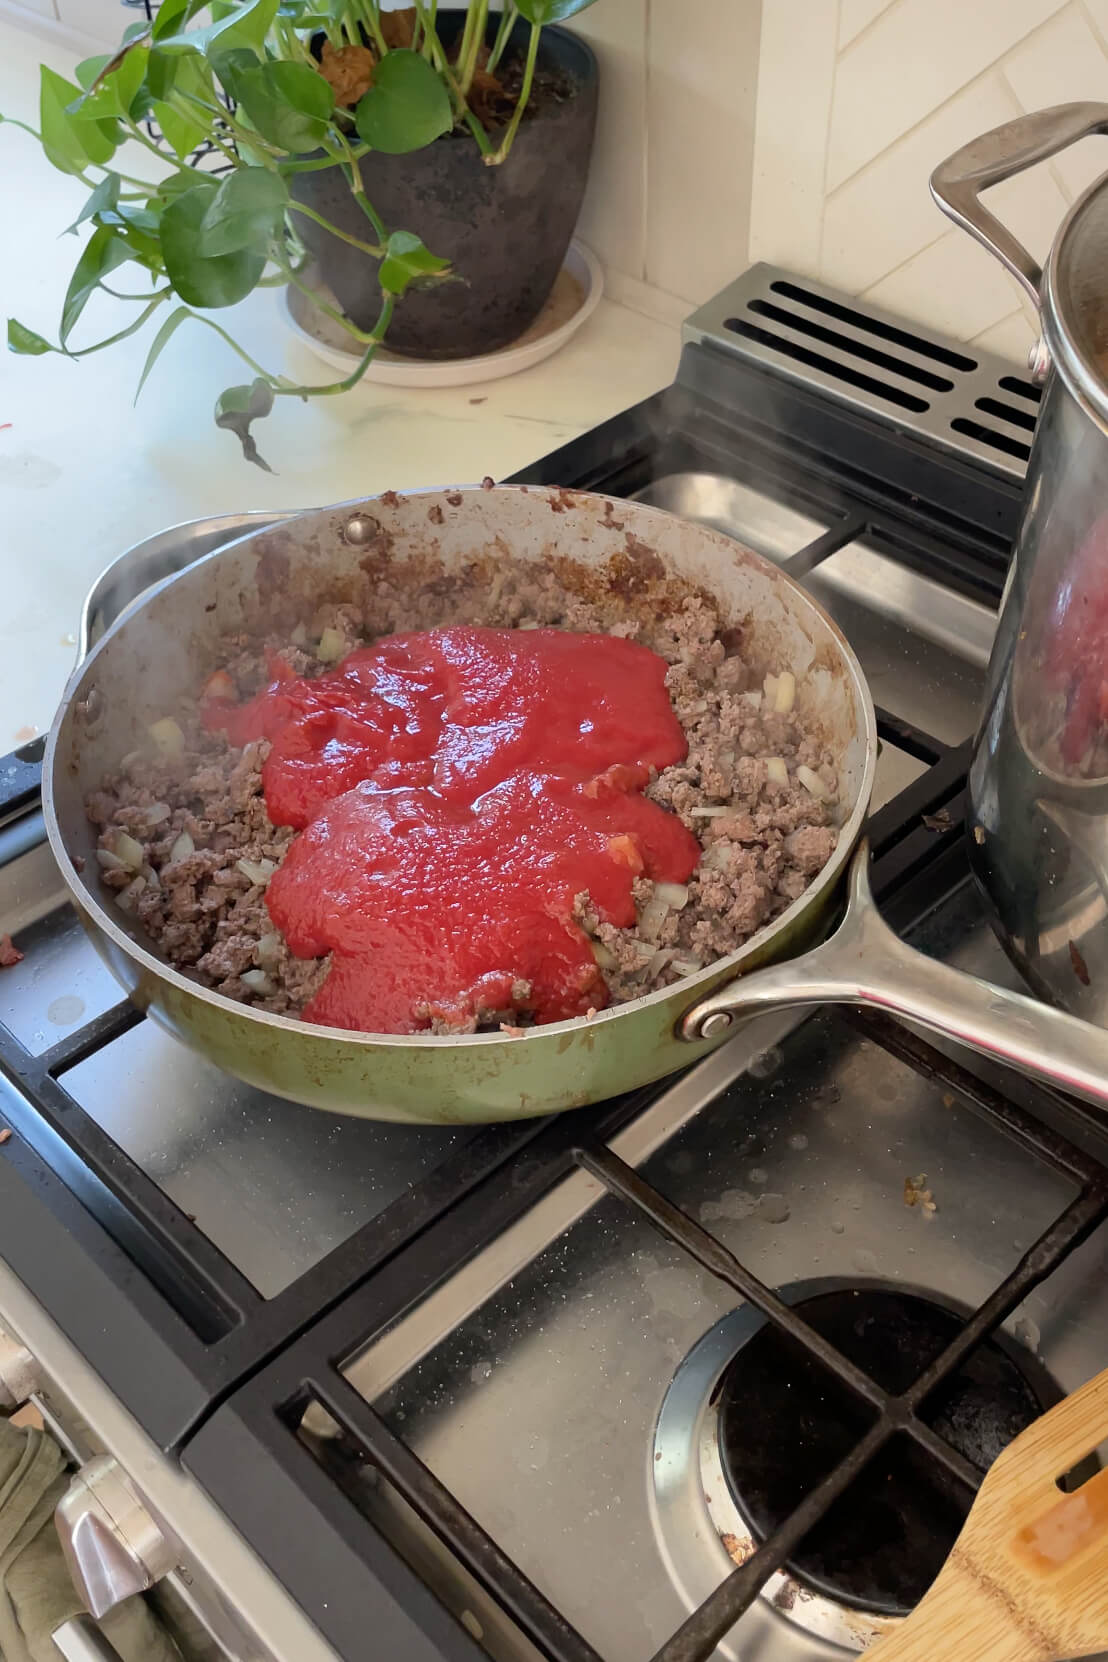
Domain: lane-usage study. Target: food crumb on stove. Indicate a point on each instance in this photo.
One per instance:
(1079, 966)
(940, 821)
(916, 1193)
(10, 954)
(979, 835)
(739, 1550)
(78, 863)
(488, 483)
(590, 1013)
(948, 1100)
(5, 1136)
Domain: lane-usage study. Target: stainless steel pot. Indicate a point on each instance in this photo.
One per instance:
(159, 648)
(1039, 780)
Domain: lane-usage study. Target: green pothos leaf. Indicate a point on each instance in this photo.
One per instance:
(103, 252)
(241, 25)
(550, 11)
(160, 342)
(200, 279)
(70, 145)
(289, 103)
(102, 201)
(246, 212)
(238, 407)
(25, 342)
(405, 259)
(407, 106)
(111, 84)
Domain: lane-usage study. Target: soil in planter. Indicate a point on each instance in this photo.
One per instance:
(492, 98)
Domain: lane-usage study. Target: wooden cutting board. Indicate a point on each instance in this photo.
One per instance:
(1027, 1579)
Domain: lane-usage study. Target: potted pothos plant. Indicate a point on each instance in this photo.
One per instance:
(430, 163)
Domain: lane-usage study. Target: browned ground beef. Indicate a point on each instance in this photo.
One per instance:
(198, 815)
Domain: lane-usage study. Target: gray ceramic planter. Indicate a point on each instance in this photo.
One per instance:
(504, 229)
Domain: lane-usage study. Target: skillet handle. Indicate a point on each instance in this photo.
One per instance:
(865, 963)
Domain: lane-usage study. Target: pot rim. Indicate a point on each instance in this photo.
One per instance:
(1086, 384)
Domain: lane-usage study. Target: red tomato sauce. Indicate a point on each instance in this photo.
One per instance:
(455, 790)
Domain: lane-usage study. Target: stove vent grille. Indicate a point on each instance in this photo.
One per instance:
(968, 401)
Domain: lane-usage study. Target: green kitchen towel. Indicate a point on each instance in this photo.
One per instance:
(36, 1593)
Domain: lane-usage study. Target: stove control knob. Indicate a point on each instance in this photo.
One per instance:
(19, 1375)
(111, 1544)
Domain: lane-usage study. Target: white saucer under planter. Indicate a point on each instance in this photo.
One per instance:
(574, 298)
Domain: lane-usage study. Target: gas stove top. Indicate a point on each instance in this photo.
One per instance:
(711, 1369)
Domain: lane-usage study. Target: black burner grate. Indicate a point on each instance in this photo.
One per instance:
(785, 1422)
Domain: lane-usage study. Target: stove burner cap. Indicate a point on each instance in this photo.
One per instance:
(785, 1422)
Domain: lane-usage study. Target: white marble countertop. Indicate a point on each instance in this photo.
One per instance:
(84, 473)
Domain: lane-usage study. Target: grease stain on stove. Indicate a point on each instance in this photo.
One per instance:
(732, 1206)
(65, 1010)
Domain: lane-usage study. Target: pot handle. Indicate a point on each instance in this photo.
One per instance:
(957, 183)
(864, 963)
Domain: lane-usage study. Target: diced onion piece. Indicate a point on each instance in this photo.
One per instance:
(258, 981)
(183, 846)
(168, 738)
(299, 635)
(151, 877)
(786, 692)
(769, 687)
(268, 950)
(128, 850)
(109, 861)
(812, 783)
(128, 896)
(673, 894)
(652, 917)
(659, 961)
(776, 771)
(605, 957)
(332, 646)
(220, 686)
(532, 623)
(686, 966)
(156, 813)
(132, 759)
(710, 813)
(752, 699)
(258, 871)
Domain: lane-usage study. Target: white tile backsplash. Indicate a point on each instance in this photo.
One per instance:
(917, 54)
(795, 80)
(38, 8)
(613, 221)
(1062, 62)
(701, 85)
(856, 15)
(884, 214)
(908, 82)
(953, 284)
